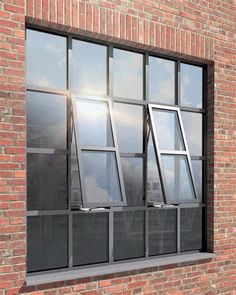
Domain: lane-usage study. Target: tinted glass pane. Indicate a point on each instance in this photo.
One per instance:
(190, 229)
(47, 182)
(197, 172)
(101, 177)
(128, 234)
(154, 191)
(128, 74)
(133, 178)
(94, 123)
(46, 60)
(177, 178)
(46, 120)
(161, 80)
(47, 238)
(168, 130)
(191, 86)
(89, 68)
(90, 238)
(162, 231)
(129, 127)
(193, 131)
(76, 199)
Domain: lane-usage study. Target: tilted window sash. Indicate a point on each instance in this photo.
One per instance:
(99, 164)
(172, 155)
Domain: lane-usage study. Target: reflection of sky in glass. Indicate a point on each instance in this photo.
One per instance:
(191, 86)
(133, 178)
(129, 127)
(46, 120)
(193, 131)
(94, 123)
(89, 68)
(128, 74)
(154, 191)
(168, 130)
(161, 80)
(45, 60)
(101, 177)
(197, 172)
(177, 178)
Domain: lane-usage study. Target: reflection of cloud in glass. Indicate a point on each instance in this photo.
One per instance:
(193, 131)
(161, 80)
(168, 130)
(129, 127)
(128, 74)
(46, 59)
(191, 86)
(154, 191)
(46, 120)
(94, 123)
(177, 178)
(101, 177)
(89, 68)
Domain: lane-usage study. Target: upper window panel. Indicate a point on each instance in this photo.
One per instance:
(94, 123)
(128, 74)
(168, 130)
(191, 86)
(161, 80)
(46, 64)
(89, 68)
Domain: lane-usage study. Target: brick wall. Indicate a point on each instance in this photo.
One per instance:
(201, 29)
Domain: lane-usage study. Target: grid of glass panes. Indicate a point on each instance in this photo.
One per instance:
(59, 234)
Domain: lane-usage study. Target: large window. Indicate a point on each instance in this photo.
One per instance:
(115, 154)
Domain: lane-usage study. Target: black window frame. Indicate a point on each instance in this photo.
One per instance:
(70, 211)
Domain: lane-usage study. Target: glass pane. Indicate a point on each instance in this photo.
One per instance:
(129, 234)
(94, 123)
(89, 62)
(162, 231)
(190, 229)
(101, 177)
(197, 166)
(128, 74)
(133, 178)
(154, 191)
(76, 199)
(168, 130)
(46, 120)
(161, 80)
(129, 127)
(90, 238)
(47, 238)
(46, 59)
(177, 178)
(193, 131)
(191, 86)
(47, 182)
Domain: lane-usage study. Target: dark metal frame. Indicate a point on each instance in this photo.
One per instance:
(144, 103)
(112, 149)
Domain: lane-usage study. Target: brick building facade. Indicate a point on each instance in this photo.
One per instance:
(202, 31)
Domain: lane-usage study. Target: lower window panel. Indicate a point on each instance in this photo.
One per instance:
(129, 237)
(47, 238)
(90, 238)
(162, 231)
(190, 229)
